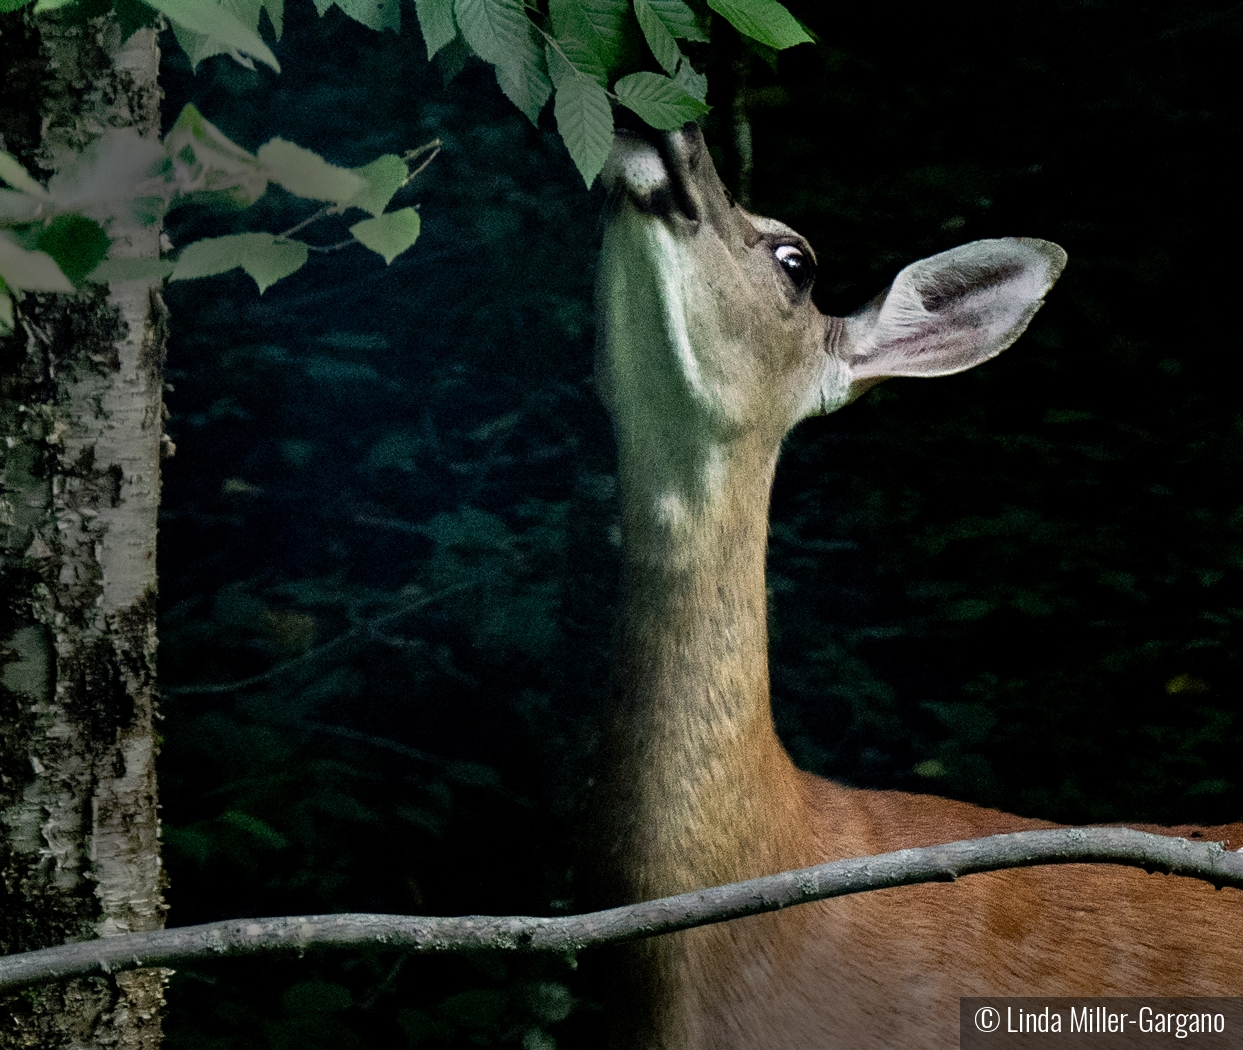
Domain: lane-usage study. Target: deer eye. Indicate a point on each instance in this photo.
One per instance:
(798, 267)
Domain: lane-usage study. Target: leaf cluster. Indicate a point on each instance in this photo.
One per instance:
(55, 238)
(575, 48)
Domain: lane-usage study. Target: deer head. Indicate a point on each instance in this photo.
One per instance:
(707, 329)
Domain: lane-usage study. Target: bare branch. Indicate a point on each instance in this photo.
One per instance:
(412, 155)
(320, 650)
(1208, 861)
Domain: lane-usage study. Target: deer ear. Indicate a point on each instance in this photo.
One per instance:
(949, 312)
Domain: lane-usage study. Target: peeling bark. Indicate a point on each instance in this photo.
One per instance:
(80, 418)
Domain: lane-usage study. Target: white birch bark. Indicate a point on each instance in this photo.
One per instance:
(80, 439)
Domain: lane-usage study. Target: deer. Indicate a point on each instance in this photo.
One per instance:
(709, 349)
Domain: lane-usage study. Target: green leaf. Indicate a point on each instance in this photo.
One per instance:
(210, 169)
(200, 46)
(11, 5)
(115, 270)
(30, 271)
(78, 244)
(658, 100)
(598, 25)
(307, 174)
(374, 14)
(133, 15)
(261, 255)
(493, 28)
(498, 31)
(18, 177)
(677, 18)
(436, 23)
(17, 208)
(764, 20)
(584, 117)
(525, 81)
(572, 51)
(388, 235)
(384, 176)
(48, 5)
(451, 59)
(694, 84)
(215, 21)
(276, 13)
(658, 37)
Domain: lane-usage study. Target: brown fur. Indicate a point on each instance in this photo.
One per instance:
(698, 790)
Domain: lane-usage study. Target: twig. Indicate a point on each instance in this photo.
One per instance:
(323, 213)
(318, 651)
(571, 933)
(336, 209)
(331, 247)
(414, 154)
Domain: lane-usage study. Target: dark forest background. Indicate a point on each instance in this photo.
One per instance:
(391, 516)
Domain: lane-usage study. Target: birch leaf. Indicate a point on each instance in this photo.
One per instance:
(116, 270)
(18, 177)
(390, 234)
(208, 167)
(219, 23)
(261, 255)
(78, 244)
(307, 174)
(384, 176)
(200, 46)
(30, 271)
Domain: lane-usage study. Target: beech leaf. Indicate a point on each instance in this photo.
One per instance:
(658, 100)
(764, 20)
(374, 14)
(584, 117)
(658, 37)
(436, 23)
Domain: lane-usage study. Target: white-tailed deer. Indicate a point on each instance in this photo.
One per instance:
(709, 350)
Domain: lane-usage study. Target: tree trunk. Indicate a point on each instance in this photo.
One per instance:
(80, 416)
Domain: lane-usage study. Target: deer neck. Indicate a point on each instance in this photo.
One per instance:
(700, 783)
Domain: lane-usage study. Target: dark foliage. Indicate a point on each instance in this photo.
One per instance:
(1019, 586)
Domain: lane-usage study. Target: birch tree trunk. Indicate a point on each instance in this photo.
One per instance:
(80, 418)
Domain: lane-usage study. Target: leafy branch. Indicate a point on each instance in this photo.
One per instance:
(574, 48)
(51, 239)
(571, 933)
(56, 238)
